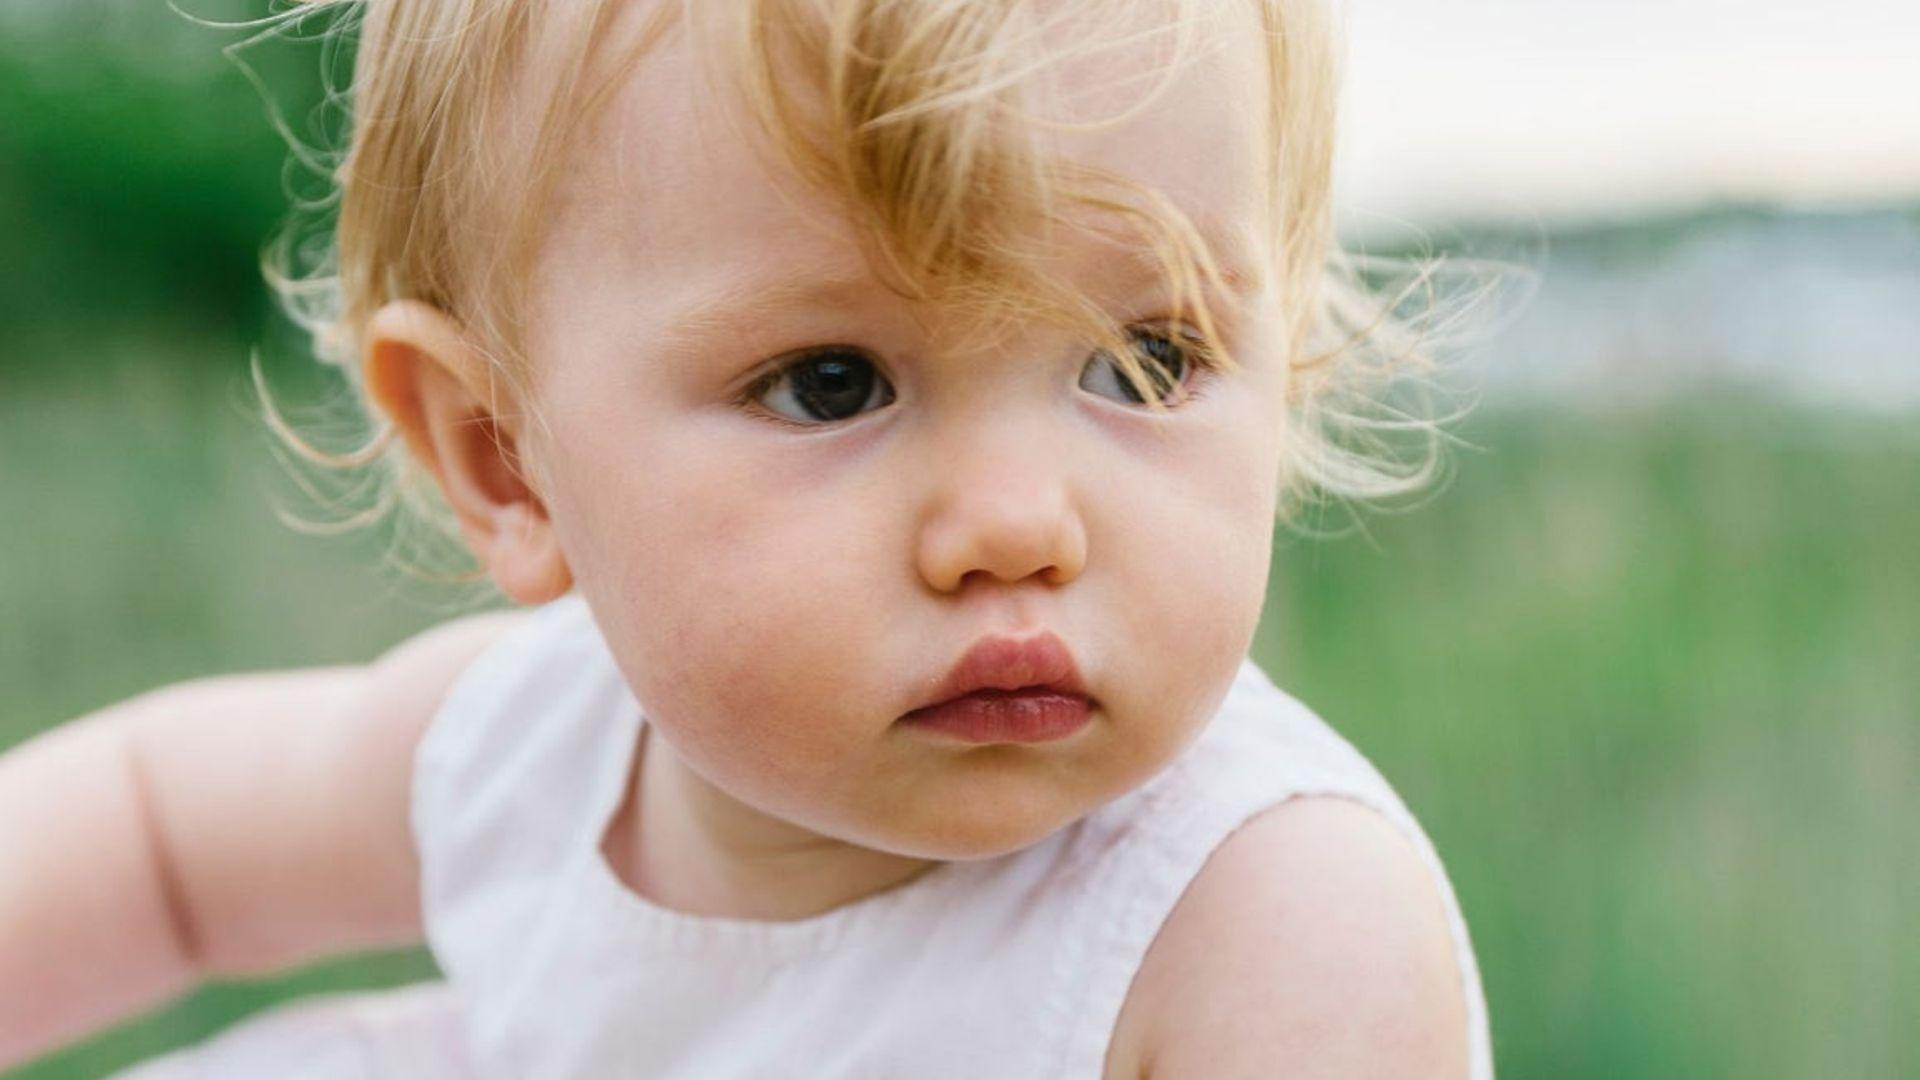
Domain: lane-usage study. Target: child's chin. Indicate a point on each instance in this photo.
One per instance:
(969, 834)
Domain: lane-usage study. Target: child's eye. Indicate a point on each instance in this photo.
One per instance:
(823, 385)
(1168, 355)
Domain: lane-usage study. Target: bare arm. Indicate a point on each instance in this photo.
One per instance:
(1313, 943)
(227, 825)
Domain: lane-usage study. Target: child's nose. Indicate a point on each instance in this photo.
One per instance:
(1002, 507)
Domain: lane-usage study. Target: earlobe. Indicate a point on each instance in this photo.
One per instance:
(525, 559)
(421, 369)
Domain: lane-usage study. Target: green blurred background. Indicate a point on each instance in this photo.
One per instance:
(1645, 667)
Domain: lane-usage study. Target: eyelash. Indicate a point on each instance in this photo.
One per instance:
(1199, 353)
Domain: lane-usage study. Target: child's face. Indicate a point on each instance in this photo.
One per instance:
(778, 596)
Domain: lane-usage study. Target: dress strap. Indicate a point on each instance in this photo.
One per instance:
(1262, 749)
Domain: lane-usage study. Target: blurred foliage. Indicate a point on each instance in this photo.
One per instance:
(1648, 679)
(1647, 676)
(139, 176)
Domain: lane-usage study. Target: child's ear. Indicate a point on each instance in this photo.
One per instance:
(424, 372)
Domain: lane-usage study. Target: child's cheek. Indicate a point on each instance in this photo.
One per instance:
(1189, 549)
(743, 609)
(769, 613)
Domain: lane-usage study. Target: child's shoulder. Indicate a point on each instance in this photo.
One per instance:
(1315, 932)
(1300, 904)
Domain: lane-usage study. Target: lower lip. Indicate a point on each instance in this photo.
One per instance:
(1000, 716)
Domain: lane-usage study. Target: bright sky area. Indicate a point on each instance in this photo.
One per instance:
(1543, 108)
(1539, 108)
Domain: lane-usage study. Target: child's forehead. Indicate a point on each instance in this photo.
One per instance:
(673, 192)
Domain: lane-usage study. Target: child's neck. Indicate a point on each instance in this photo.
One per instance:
(685, 845)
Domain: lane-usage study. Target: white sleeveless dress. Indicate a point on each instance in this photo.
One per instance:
(1010, 967)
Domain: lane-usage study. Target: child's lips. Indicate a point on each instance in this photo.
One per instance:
(1009, 689)
(1039, 661)
(998, 716)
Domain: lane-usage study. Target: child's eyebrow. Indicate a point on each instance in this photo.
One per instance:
(748, 299)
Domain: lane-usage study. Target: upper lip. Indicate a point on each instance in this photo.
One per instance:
(1039, 661)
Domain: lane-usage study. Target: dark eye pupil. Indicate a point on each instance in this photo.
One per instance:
(833, 386)
(1164, 362)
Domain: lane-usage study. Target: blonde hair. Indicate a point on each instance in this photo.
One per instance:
(924, 135)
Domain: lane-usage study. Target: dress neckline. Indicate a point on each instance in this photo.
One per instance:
(650, 923)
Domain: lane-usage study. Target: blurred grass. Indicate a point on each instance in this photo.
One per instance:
(1648, 679)
(1650, 683)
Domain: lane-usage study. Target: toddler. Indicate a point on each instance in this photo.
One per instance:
(884, 408)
